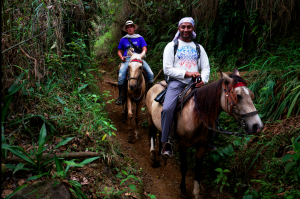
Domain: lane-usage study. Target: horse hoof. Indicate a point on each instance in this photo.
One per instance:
(183, 195)
(152, 158)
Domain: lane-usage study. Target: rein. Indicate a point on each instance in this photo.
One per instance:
(231, 100)
(137, 79)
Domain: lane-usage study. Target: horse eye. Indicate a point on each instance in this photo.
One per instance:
(140, 67)
(239, 97)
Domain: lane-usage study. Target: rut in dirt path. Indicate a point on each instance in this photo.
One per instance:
(163, 182)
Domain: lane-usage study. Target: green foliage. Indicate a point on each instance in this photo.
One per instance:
(222, 178)
(62, 173)
(35, 157)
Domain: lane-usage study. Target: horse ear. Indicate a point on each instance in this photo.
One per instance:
(143, 55)
(236, 72)
(226, 78)
(130, 52)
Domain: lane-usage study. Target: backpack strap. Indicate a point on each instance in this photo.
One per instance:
(136, 48)
(198, 49)
(175, 46)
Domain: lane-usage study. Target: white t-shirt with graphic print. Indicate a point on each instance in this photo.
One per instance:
(185, 60)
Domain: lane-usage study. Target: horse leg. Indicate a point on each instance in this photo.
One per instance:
(162, 160)
(129, 107)
(124, 112)
(151, 140)
(137, 119)
(183, 170)
(198, 170)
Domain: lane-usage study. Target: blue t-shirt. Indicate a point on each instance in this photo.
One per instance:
(124, 44)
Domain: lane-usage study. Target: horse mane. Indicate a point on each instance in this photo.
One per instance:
(207, 99)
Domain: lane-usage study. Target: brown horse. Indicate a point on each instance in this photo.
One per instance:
(199, 111)
(135, 92)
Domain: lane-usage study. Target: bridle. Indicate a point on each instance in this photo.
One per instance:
(231, 100)
(138, 83)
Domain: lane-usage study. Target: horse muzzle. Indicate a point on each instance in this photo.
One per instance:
(254, 128)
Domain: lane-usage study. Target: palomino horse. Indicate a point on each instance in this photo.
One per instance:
(135, 91)
(200, 111)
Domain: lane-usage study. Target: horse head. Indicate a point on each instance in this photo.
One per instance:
(135, 69)
(237, 101)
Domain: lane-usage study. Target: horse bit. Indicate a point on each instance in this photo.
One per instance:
(137, 78)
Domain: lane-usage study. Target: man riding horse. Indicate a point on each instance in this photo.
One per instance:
(137, 42)
(180, 67)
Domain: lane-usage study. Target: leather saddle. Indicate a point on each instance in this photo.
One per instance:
(184, 95)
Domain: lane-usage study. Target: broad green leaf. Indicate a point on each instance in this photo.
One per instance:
(289, 166)
(13, 167)
(248, 197)
(72, 163)
(218, 170)
(103, 138)
(36, 177)
(63, 142)
(296, 156)
(297, 146)
(15, 191)
(125, 172)
(226, 170)
(18, 151)
(18, 167)
(58, 164)
(74, 183)
(287, 157)
(216, 157)
(42, 138)
(119, 175)
(123, 181)
(84, 162)
(132, 187)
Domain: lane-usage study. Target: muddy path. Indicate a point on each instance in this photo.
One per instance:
(163, 182)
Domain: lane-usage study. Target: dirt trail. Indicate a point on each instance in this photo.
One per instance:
(163, 182)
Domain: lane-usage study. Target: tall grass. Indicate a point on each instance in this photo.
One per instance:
(275, 78)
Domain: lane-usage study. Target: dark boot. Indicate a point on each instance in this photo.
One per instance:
(119, 100)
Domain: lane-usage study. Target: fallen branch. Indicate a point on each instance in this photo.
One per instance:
(113, 83)
(35, 61)
(157, 75)
(59, 155)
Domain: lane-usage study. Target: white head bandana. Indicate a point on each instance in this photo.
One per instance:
(185, 19)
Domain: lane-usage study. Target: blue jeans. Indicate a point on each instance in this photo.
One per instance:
(123, 71)
(174, 89)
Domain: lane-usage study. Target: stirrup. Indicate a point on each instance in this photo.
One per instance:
(167, 154)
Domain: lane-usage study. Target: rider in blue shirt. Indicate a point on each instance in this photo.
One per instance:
(125, 43)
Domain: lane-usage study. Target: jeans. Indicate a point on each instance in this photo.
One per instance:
(174, 89)
(123, 71)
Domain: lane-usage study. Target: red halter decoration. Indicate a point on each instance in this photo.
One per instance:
(239, 84)
(136, 60)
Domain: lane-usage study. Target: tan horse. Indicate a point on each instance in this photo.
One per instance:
(204, 107)
(135, 92)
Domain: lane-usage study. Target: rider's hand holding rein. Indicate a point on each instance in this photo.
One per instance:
(120, 54)
(194, 75)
